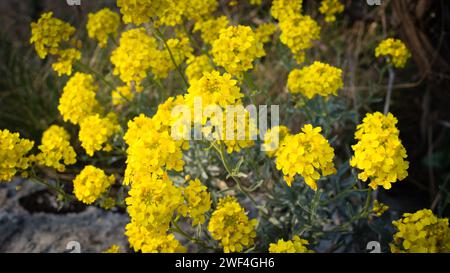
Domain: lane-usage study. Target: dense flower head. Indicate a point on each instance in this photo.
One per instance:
(90, 183)
(379, 208)
(146, 241)
(78, 99)
(121, 95)
(66, 58)
(379, 152)
(214, 89)
(102, 24)
(95, 131)
(264, 32)
(236, 49)
(421, 232)
(308, 154)
(49, 33)
(282, 9)
(271, 144)
(317, 79)
(133, 58)
(330, 8)
(13, 151)
(197, 202)
(296, 245)
(151, 148)
(196, 66)
(395, 50)
(230, 225)
(210, 28)
(55, 149)
(153, 204)
(139, 11)
(162, 63)
(298, 33)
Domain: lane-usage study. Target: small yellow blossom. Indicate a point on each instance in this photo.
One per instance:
(317, 79)
(330, 8)
(121, 95)
(197, 66)
(210, 28)
(230, 225)
(379, 152)
(271, 144)
(395, 50)
(282, 9)
(421, 232)
(112, 249)
(90, 183)
(13, 151)
(296, 245)
(197, 202)
(379, 208)
(103, 24)
(264, 32)
(95, 132)
(308, 154)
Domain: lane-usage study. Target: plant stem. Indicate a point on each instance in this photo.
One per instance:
(389, 90)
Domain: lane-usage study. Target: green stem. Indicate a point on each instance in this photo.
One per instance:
(176, 228)
(86, 68)
(389, 90)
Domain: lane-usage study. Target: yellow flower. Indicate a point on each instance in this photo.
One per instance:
(255, 2)
(264, 32)
(133, 58)
(317, 79)
(395, 51)
(270, 145)
(230, 225)
(330, 8)
(13, 152)
(282, 9)
(298, 33)
(197, 66)
(148, 242)
(308, 154)
(121, 95)
(112, 249)
(48, 34)
(95, 132)
(90, 183)
(78, 98)
(197, 202)
(56, 151)
(210, 28)
(236, 49)
(379, 152)
(102, 24)
(296, 245)
(421, 232)
(140, 11)
(66, 58)
(379, 208)
(153, 203)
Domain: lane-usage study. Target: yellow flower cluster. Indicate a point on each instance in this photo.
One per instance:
(379, 152)
(90, 183)
(132, 59)
(330, 8)
(151, 206)
(395, 50)
(379, 208)
(308, 154)
(296, 245)
(112, 249)
(210, 28)
(298, 33)
(244, 127)
(78, 99)
(52, 36)
(264, 32)
(282, 9)
(317, 79)
(196, 66)
(13, 151)
(270, 145)
(162, 62)
(121, 95)
(230, 225)
(197, 202)
(95, 132)
(421, 232)
(103, 24)
(236, 49)
(139, 11)
(56, 151)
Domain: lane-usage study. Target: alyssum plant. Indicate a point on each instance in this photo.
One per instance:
(303, 186)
